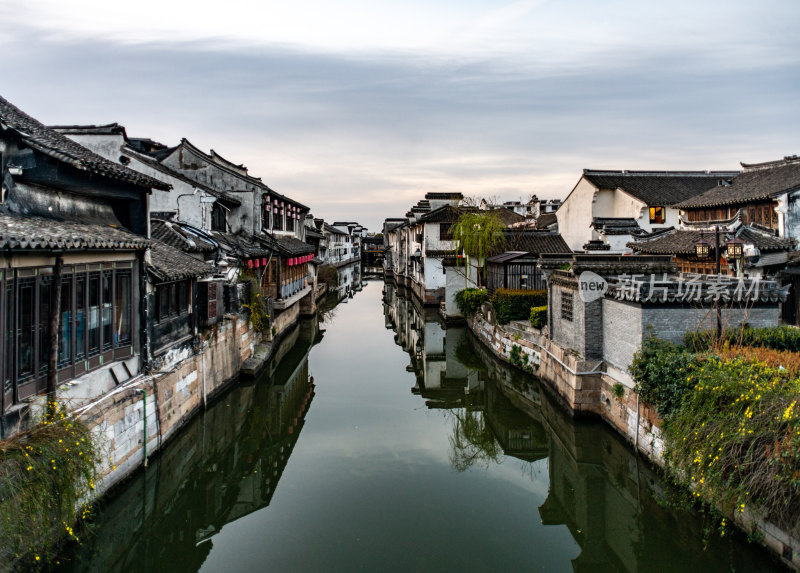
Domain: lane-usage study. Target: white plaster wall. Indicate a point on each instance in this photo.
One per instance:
(108, 146)
(245, 217)
(435, 277)
(434, 338)
(575, 215)
(628, 206)
(618, 243)
(624, 206)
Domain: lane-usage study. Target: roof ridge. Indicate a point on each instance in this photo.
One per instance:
(57, 145)
(633, 172)
(787, 160)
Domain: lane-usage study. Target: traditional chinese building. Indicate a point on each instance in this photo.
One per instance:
(73, 228)
(607, 209)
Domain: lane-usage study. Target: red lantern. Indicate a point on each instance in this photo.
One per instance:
(264, 261)
(249, 264)
(257, 263)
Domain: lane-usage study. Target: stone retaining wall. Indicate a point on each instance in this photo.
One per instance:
(598, 388)
(156, 406)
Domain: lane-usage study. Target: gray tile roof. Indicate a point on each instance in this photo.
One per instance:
(179, 237)
(764, 240)
(291, 247)
(52, 143)
(658, 188)
(536, 242)
(545, 220)
(313, 233)
(444, 214)
(758, 182)
(171, 264)
(617, 226)
(443, 196)
(222, 163)
(226, 198)
(240, 246)
(682, 242)
(29, 232)
(334, 230)
(507, 216)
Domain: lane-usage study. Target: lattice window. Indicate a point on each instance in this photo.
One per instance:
(566, 305)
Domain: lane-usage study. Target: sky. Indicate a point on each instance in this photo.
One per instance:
(358, 108)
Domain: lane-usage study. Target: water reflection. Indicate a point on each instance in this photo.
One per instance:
(224, 465)
(349, 282)
(606, 497)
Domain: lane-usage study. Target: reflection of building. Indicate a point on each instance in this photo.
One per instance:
(225, 464)
(597, 488)
(519, 434)
(434, 348)
(349, 280)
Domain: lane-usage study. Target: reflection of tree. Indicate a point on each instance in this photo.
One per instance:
(472, 440)
(328, 309)
(466, 355)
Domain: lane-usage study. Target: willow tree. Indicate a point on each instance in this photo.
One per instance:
(478, 235)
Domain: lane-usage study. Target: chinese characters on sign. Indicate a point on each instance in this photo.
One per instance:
(693, 288)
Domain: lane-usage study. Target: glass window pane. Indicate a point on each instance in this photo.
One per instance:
(183, 290)
(8, 375)
(26, 328)
(123, 309)
(108, 315)
(44, 319)
(65, 324)
(162, 292)
(94, 313)
(173, 299)
(80, 317)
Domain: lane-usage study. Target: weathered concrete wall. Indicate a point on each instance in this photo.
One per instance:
(625, 325)
(623, 322)
(286, 319)
(575, 214)
(170, 399)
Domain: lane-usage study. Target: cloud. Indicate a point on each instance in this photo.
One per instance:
(363, 134)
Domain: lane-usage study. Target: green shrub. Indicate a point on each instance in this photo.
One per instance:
(257, 307)
(777, 338)
(538, 316)
(469, 300)
(735, 439)
(662, 371)
(511, 304)
(515, 356)
(618, 390)
(46, 477)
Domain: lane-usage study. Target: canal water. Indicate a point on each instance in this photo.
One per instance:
(379, 440)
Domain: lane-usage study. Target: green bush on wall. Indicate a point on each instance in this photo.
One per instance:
(512, 304)
(469, 300)
(538, 316)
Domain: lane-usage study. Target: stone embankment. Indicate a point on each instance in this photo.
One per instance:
(588, 388)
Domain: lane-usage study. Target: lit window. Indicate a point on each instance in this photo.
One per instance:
(657, 215)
